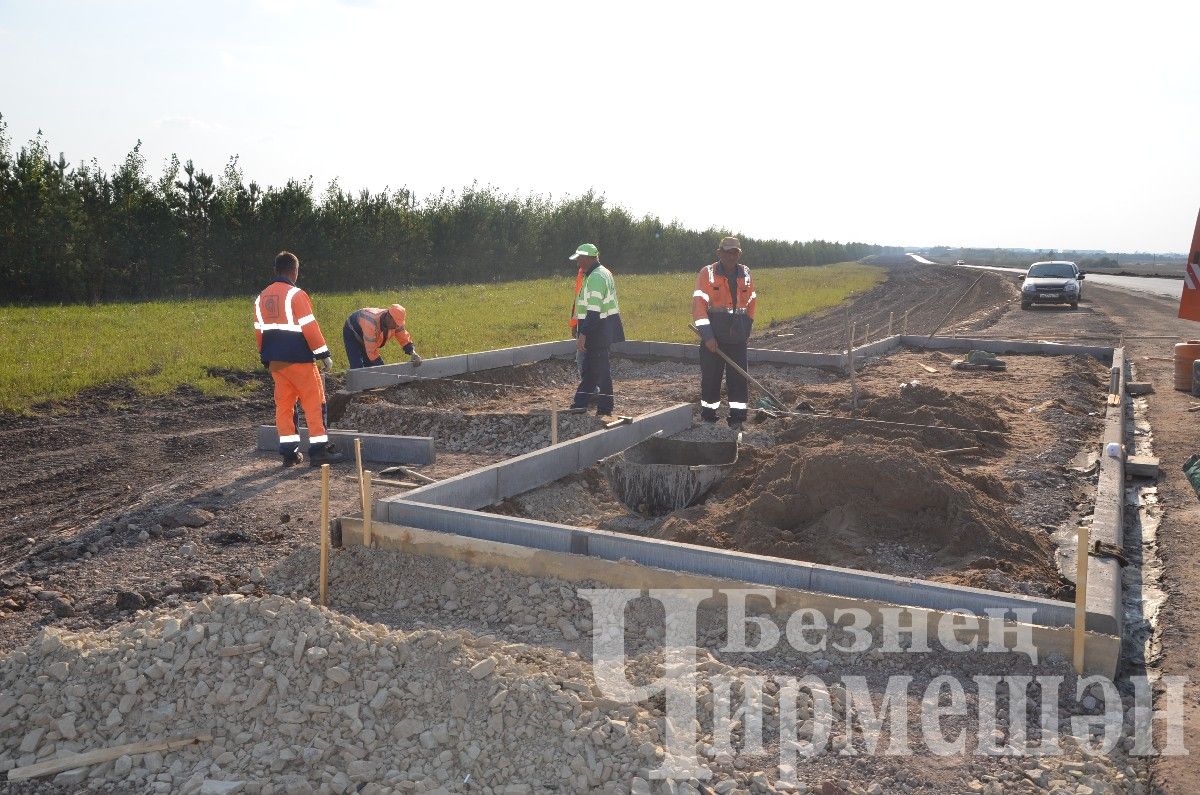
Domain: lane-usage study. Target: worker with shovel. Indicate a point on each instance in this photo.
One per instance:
(598, 326)
(723, 311)
(368, 329)
(290, 343)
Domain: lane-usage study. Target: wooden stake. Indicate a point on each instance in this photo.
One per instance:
(366, 486)
(102, 755)
(904, 324)
(867, 334)
(362, 494)
(324, 580)
(1081, 569)
(553, 426)
(891, 316)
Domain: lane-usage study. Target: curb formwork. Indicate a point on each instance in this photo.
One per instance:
(451, 506)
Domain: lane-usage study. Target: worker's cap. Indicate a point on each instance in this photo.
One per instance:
(730, 244)
(397, 314)
(585, 250)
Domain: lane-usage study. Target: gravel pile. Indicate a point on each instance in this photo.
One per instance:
(458, 431)
(299, 698)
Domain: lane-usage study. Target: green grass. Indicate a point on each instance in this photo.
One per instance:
(56, 352)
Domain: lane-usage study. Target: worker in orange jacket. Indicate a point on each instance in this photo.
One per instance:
(723, 310)
(290, 343)
(367, 330)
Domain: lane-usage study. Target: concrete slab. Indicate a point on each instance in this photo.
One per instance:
(1104, 574)
(1101, 352)
(489, 360)
(827, 361)
(877, 348)
(633, 348)
(377, 448)
(475, 489)
(527, 354)
(683, 351)
(525, 472)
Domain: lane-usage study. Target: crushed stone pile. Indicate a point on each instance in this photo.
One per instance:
(863, 502)
(457, 431)
(299, 698)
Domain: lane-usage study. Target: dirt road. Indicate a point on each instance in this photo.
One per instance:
(926, 293)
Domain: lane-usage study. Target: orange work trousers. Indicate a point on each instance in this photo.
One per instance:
(299, 381)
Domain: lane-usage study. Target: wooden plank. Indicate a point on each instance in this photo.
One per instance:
(101, 755)
(927, 368)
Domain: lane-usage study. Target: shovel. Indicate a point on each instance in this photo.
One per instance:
(738, 369)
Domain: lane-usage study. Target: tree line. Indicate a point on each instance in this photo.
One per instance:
(73, 233)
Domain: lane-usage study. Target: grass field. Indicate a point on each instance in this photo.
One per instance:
(55, 352)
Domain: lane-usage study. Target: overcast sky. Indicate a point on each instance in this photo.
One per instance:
(1044, 125)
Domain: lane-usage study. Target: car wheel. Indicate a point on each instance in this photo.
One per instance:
(1074, 304)
(1024, 304)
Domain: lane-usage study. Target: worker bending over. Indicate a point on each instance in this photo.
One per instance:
(290, 343)
(723, 310)
(367, 330)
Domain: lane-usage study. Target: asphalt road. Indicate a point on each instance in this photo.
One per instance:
(1170, 288)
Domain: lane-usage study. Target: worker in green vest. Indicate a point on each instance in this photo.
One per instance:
(598, 319)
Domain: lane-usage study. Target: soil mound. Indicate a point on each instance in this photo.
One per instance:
(864, 503)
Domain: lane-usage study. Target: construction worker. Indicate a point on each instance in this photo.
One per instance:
(723, 310)
(598, 326)
(369, 329)
(290, 343)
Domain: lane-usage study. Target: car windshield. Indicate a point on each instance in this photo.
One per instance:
(1052, 270)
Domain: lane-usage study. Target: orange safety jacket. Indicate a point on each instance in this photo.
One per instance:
(285, 327)
(719, 313)
(369, 322)
(578, 287)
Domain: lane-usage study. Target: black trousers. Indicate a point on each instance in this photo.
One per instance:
(596, 372)
(712, 369)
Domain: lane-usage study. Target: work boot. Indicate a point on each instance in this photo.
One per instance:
(324, 455)
(293, 458)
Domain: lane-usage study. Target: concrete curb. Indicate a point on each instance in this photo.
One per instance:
(491, 484)
(571, 563)
(460, 364)
(450, 506)
(1102, 352)
(1104, 605)
(377, 448)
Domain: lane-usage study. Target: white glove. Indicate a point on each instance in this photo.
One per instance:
(416, 359)
(327, 364)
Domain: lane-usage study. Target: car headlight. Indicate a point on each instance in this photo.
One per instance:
(1072, 287)
(1027, 288)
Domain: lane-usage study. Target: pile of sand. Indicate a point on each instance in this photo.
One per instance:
(853, 501)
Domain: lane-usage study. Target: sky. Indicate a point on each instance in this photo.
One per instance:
(1064, 125)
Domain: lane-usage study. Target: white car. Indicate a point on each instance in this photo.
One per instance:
(1052, 282)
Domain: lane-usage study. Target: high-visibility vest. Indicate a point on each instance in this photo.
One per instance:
(1189, 301)
(368, 322)
(597, 293)
(284, 325)
(713, 303)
